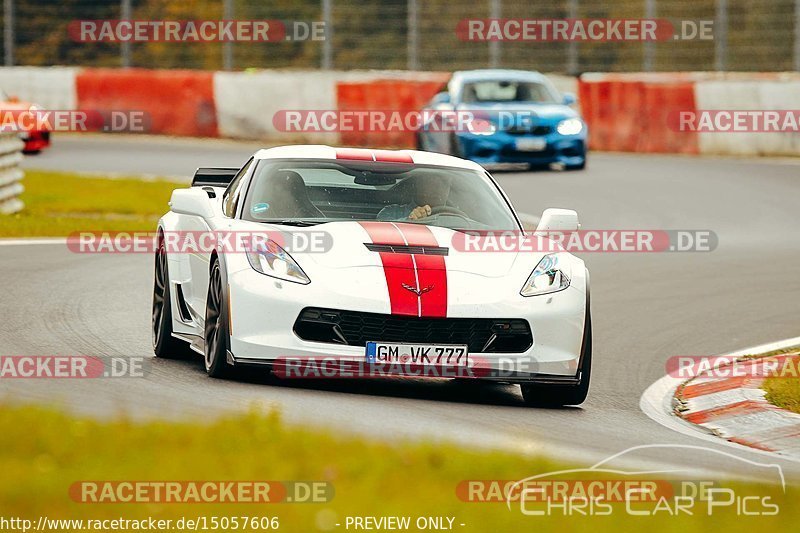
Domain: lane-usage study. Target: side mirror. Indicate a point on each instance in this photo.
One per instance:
(441, 98)
(558, 220)
(191, 202)
(569, 99)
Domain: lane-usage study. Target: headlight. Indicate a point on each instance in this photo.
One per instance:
(547, 277)
(481, 126)
(571, 126)
(272, 260)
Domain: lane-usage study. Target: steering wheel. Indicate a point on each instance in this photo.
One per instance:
(448, 210)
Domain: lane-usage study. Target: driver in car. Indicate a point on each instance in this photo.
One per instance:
(429, 193)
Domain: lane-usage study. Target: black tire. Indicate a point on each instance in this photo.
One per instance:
(419, 143)
(536, 395)
(164, 344)
(455, 146)
(216, 333)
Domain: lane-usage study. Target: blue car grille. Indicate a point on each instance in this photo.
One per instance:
(520, 129)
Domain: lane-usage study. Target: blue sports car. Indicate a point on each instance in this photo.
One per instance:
(504, 116)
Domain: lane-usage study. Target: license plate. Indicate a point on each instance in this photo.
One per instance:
(417, 354)
(532, 144)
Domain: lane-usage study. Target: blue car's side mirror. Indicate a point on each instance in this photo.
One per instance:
(569, 99)
(441, 98)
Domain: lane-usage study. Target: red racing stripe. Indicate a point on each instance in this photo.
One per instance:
(427, 273)
(382, 156)
(431, 271)
(392, 156)
(358, 154)
(397, 268)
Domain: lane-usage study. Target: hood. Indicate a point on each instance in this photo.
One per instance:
(377, 244)
(543, 113)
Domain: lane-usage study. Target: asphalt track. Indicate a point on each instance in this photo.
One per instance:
(646, 308)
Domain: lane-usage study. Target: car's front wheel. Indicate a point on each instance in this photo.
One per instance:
(216, 333)
(540, 395)
(164, 344)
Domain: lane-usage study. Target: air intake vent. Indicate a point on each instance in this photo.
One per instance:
(354, 328)
(406, 249)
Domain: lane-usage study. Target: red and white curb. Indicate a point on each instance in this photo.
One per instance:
(729, 410)
(735, 408)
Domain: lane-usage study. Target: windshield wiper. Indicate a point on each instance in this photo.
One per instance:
(300, 223)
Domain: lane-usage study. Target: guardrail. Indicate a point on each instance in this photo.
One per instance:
(10, 173)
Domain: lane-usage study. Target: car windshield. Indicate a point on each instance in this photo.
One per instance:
(497, 91)
(318, 191)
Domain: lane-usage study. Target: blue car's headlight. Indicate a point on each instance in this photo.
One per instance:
(272, 260)
(570, 126)
(481, 126)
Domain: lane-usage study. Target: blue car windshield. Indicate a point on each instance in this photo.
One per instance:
(499, 91)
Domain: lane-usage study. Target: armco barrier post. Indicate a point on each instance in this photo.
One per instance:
(10, 173)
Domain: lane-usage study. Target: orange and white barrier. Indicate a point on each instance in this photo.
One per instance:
(176, 102)
(247, 102)
(634, 112)
(693, 113)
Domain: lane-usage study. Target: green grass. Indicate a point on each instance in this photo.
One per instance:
(57, 204)
(43, 452)
(784, 391)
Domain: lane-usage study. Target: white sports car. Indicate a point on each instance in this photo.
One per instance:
(379, 259)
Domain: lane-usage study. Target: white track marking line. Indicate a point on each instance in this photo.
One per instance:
(31, 242)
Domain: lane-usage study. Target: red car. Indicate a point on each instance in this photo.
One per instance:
(35, 140)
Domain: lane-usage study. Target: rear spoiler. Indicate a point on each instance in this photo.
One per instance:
(214, 176)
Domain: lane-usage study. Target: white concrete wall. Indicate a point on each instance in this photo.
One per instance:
(749, 95)
(49, 87)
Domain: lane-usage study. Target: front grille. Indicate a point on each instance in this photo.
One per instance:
(520, 129)
(406, 249)
(353, 328)
(511, 153)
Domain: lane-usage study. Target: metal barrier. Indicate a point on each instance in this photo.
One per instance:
(10, 173)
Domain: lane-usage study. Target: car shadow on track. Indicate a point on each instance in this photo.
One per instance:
(439, 390)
